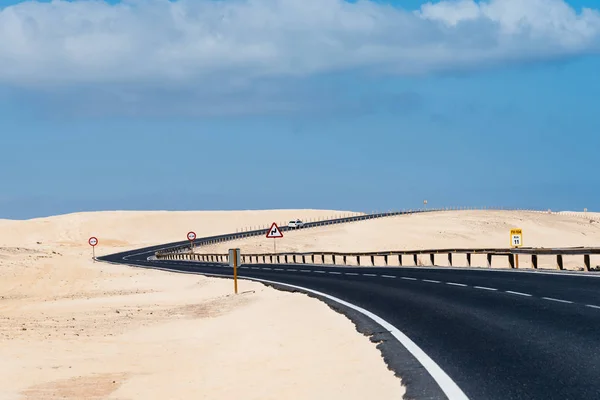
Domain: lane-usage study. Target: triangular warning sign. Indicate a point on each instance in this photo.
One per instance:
(274, 232)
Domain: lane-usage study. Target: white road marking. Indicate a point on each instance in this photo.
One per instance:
(293, 270)
(388, 276)
(305, 270)
(319, 272)
(557, 300)
(430, 281)
(254, 268)
(518, 293)
(267, 268)
(456, 284)
(369, 275)
(592, 306)
(335, 273)
(448, 386)
(485, 288)
(278, 269)
(351, 273)
(407, 278)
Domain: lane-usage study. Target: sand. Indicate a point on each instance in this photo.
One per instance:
(73, 329)
(440, 230)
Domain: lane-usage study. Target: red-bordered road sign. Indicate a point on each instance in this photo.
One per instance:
(274, 232)
(93, 241)
(191, 236)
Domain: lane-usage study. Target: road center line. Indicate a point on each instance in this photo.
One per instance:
(592, 306)
(335, 273)
(267, 268)
(456, 284)
(305, 270)
(430, 281)
(557, 300)
(485, 288)
(293, 270)
(369, 275)
(407, 278)
(351, 273)
(388, 276)
(319, 272)
(518, 293)
(278, 269)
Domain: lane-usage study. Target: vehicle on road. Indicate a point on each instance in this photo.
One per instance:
(295, 224)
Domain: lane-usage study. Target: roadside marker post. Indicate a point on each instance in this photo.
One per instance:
(274, 233)
(93, 241)
(191, 236)
(234, 262)
(516, 241)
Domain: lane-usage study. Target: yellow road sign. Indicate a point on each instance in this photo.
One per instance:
(516, 237)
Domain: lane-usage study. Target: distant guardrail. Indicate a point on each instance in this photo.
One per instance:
(397, 258)
(181, 251)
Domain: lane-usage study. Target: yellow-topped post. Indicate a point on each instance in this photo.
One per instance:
(516, 241)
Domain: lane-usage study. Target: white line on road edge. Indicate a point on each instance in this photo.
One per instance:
(518, 293)
(592, 306)
(557, 300)
(448, 386)
(485, 288)
(429, 280)
(407, 278)
(335, 273)
(351, 273)
(387, 276)
(369, 275)
(456, 284)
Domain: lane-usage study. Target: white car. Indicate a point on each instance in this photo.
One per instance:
(295, 224)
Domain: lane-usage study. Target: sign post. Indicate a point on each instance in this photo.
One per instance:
(274, 233)
(516, 241)
(191, 236)
(93, 242)
(234, 262)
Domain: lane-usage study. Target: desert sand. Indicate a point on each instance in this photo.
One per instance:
(442, 230)
(74, 329)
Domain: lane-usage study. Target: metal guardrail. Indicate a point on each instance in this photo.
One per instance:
(388, 258)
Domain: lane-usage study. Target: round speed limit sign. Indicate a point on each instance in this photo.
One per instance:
(93, 241)
(191, 236)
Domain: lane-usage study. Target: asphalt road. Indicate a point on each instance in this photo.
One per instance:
(498, 334)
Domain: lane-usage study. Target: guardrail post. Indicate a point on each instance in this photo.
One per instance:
(416, 259)
(344, 258)
(400, 259)
(432, 259)
(373, 261)
(322, 258)
(333, 258)
(586, 262)
(534, 261)
(294, 259)
(559, 261)
(385, 259)
(450, 259)
(511, 260)
(278, 262)
(489, 260)
(285, 258)
(264, 259)
(312, 257)
(468, 259)
(358, 260)
(303, 259)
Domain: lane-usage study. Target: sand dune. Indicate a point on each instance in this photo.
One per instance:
(74, 329)
(446, 229)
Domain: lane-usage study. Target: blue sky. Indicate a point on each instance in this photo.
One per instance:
(269, 105)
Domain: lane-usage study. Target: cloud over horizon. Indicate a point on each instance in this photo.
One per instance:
(173, 42)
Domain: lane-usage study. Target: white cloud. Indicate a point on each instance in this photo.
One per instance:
(178, 43)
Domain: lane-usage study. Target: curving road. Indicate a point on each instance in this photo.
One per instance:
(497, 334)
